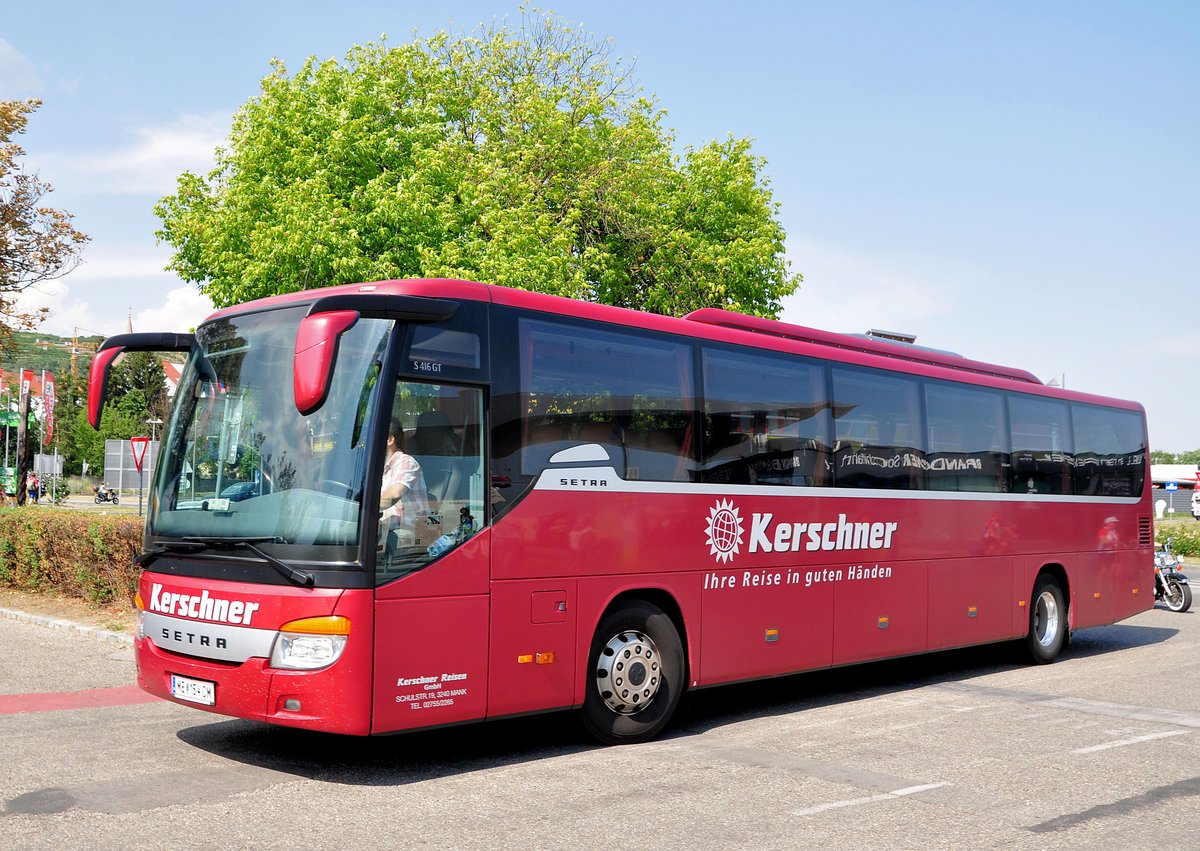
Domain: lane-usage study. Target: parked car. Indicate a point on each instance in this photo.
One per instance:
(241, 490)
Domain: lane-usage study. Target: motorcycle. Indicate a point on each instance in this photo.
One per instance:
(105, 495)
(1170, 585)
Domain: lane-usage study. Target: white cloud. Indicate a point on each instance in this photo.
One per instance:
(121, 261)
(18, 76)
(118, 283)
(67, 312)
(107, 308)
(148, 165)
(184, 309)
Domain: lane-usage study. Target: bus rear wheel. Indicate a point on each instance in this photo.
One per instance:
(635, 674)
(1047, 621)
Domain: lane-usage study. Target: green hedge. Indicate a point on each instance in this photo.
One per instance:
(1184, 535)
(80, 554)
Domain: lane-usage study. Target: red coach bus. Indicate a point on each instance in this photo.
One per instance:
(417, 503)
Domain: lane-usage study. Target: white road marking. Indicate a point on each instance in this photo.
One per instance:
(869, 799)
(1120, 743)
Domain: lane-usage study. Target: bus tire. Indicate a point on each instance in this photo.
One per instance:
(1047, 634)
(635, 677)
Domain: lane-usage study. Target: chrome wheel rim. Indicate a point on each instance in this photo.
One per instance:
(1046, 615)
(628, 672)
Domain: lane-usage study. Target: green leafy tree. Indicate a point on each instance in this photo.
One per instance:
(143, 372)
(1159, 456)
(520, 157)
(123, 417)
(81, 442)
(37, 242)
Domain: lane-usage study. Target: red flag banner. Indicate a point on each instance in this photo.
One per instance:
(48, 405)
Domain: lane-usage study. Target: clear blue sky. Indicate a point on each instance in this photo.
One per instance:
(1015, 181)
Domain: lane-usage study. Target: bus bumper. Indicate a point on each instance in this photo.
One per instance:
(332, 700)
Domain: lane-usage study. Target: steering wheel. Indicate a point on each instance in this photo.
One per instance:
(335, 488)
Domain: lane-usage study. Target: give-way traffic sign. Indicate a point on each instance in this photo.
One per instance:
(139, 444)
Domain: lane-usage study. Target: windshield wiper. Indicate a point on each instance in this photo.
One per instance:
(298, 576)
(165, 547)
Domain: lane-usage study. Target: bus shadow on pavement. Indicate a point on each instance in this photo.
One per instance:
(401, 759)
(1121, 636)
(713, 708)
(392, 760)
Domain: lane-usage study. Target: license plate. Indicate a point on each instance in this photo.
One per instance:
(195, 691)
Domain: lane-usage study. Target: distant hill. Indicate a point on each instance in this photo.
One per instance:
(37, 351)
(40, 351)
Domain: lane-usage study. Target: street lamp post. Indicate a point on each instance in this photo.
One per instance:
(153, 422)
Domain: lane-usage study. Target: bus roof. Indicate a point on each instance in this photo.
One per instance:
(876, 345)
(739, 327)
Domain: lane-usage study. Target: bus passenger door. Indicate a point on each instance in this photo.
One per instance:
(432, 562)
(431, 643)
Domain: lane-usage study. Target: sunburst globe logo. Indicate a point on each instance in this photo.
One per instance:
(724, 531)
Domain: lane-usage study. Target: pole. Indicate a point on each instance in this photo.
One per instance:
(24, 462)
(7, 420)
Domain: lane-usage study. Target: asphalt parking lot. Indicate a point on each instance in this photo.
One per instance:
(966, 749)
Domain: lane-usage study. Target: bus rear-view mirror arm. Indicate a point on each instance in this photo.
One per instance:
(114, 347)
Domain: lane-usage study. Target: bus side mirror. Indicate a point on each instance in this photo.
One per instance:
(316, 351)
(112, 348)
(98, 383)
(331, 316)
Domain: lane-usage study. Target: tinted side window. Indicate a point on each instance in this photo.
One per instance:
(1110, 451)
(766, 420)
(1042, 450)
(626, 392)
(967, 439)
(879, 439)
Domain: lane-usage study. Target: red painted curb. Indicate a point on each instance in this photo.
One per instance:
(96, 698)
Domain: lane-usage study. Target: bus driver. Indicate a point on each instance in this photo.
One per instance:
(402, 498)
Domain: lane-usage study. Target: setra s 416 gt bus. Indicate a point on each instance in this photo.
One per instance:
(410, 504)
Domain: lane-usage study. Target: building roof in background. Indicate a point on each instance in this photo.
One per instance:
(1184, 474)
(173, 371)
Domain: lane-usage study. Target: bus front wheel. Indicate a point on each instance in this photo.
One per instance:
(1047, 621)
(635, 674)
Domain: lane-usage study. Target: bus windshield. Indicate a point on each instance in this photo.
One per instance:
(239, 461)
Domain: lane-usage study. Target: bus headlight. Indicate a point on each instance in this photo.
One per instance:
(310, 643)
